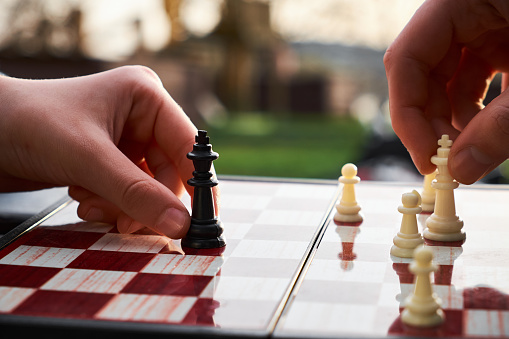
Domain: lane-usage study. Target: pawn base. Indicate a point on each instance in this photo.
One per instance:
(340, 217)
(423, 320)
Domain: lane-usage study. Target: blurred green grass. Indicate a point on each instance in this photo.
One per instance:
(286, 146)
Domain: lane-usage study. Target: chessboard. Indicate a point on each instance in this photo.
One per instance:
(288, 270)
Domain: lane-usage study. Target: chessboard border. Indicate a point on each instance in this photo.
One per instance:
(34, 221)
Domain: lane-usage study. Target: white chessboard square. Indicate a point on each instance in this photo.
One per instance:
(270, 249)
(307, 192)
(245, 202)
(290, 218)
(11, 297)
(184, 264)
(486, 323)
(95, 281)
(143, 307)
(330, 318)
(130, 243)
(41, 256)
(363, 271)
(248, 288)
(236, 230)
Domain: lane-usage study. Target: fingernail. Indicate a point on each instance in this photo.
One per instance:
(94, 214)
(172, 222)
(470, 164)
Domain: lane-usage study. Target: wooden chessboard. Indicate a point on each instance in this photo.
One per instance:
(287, 271)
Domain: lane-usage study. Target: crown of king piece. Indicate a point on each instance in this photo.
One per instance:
(445, 141)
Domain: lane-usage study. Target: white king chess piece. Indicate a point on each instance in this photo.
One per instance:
(444, 224)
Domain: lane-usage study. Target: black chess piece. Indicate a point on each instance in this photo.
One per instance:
(206, 229)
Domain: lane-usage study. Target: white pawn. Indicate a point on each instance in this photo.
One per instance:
(422, 308)
(347, 210)
(428, 193)
(408, 237)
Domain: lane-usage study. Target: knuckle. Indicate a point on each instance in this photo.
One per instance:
(500, 116)
(135, 194)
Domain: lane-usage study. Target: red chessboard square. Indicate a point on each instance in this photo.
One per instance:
(111, 261)
(25, 276)
(167, 284)
(63, 304)
(47, 237)
(202, 313)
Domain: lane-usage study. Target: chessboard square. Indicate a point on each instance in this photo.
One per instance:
(270, 249)
(25, 276)
(130, 243)
(280, 232)
(450, 297)
(486, 323)
(94, 281)
(260, 267)
(50, 237)
(290, 218)
(111, 261)
(299, 203)
(202, 313)
(236, 230)
(167, 284)
(476, 276)
(41, 256)
(150, 308)
(393, 294)
(330, 318)
(62, 304)
(342, 292)
(240, 216)
(361, 271)
(11, 297)
(245, 314)
(307, 192)
(250, 288)
(243, 201)
(184, 264)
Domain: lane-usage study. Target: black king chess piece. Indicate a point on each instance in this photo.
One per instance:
(206, 229)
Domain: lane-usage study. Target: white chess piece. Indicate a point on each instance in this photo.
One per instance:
(408, 237)
(428, 193)
(347, 210)
(444, 224)
(422, 308)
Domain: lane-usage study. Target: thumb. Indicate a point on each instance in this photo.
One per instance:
(483, 144)
(140, 197)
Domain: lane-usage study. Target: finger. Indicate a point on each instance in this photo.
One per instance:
(482, 145)
(138, 195)
(97, 209)
(468, 88)
(419, 49)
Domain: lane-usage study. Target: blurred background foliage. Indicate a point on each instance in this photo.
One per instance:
(286, 88)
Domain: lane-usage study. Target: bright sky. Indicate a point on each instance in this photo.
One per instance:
(110, 34)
